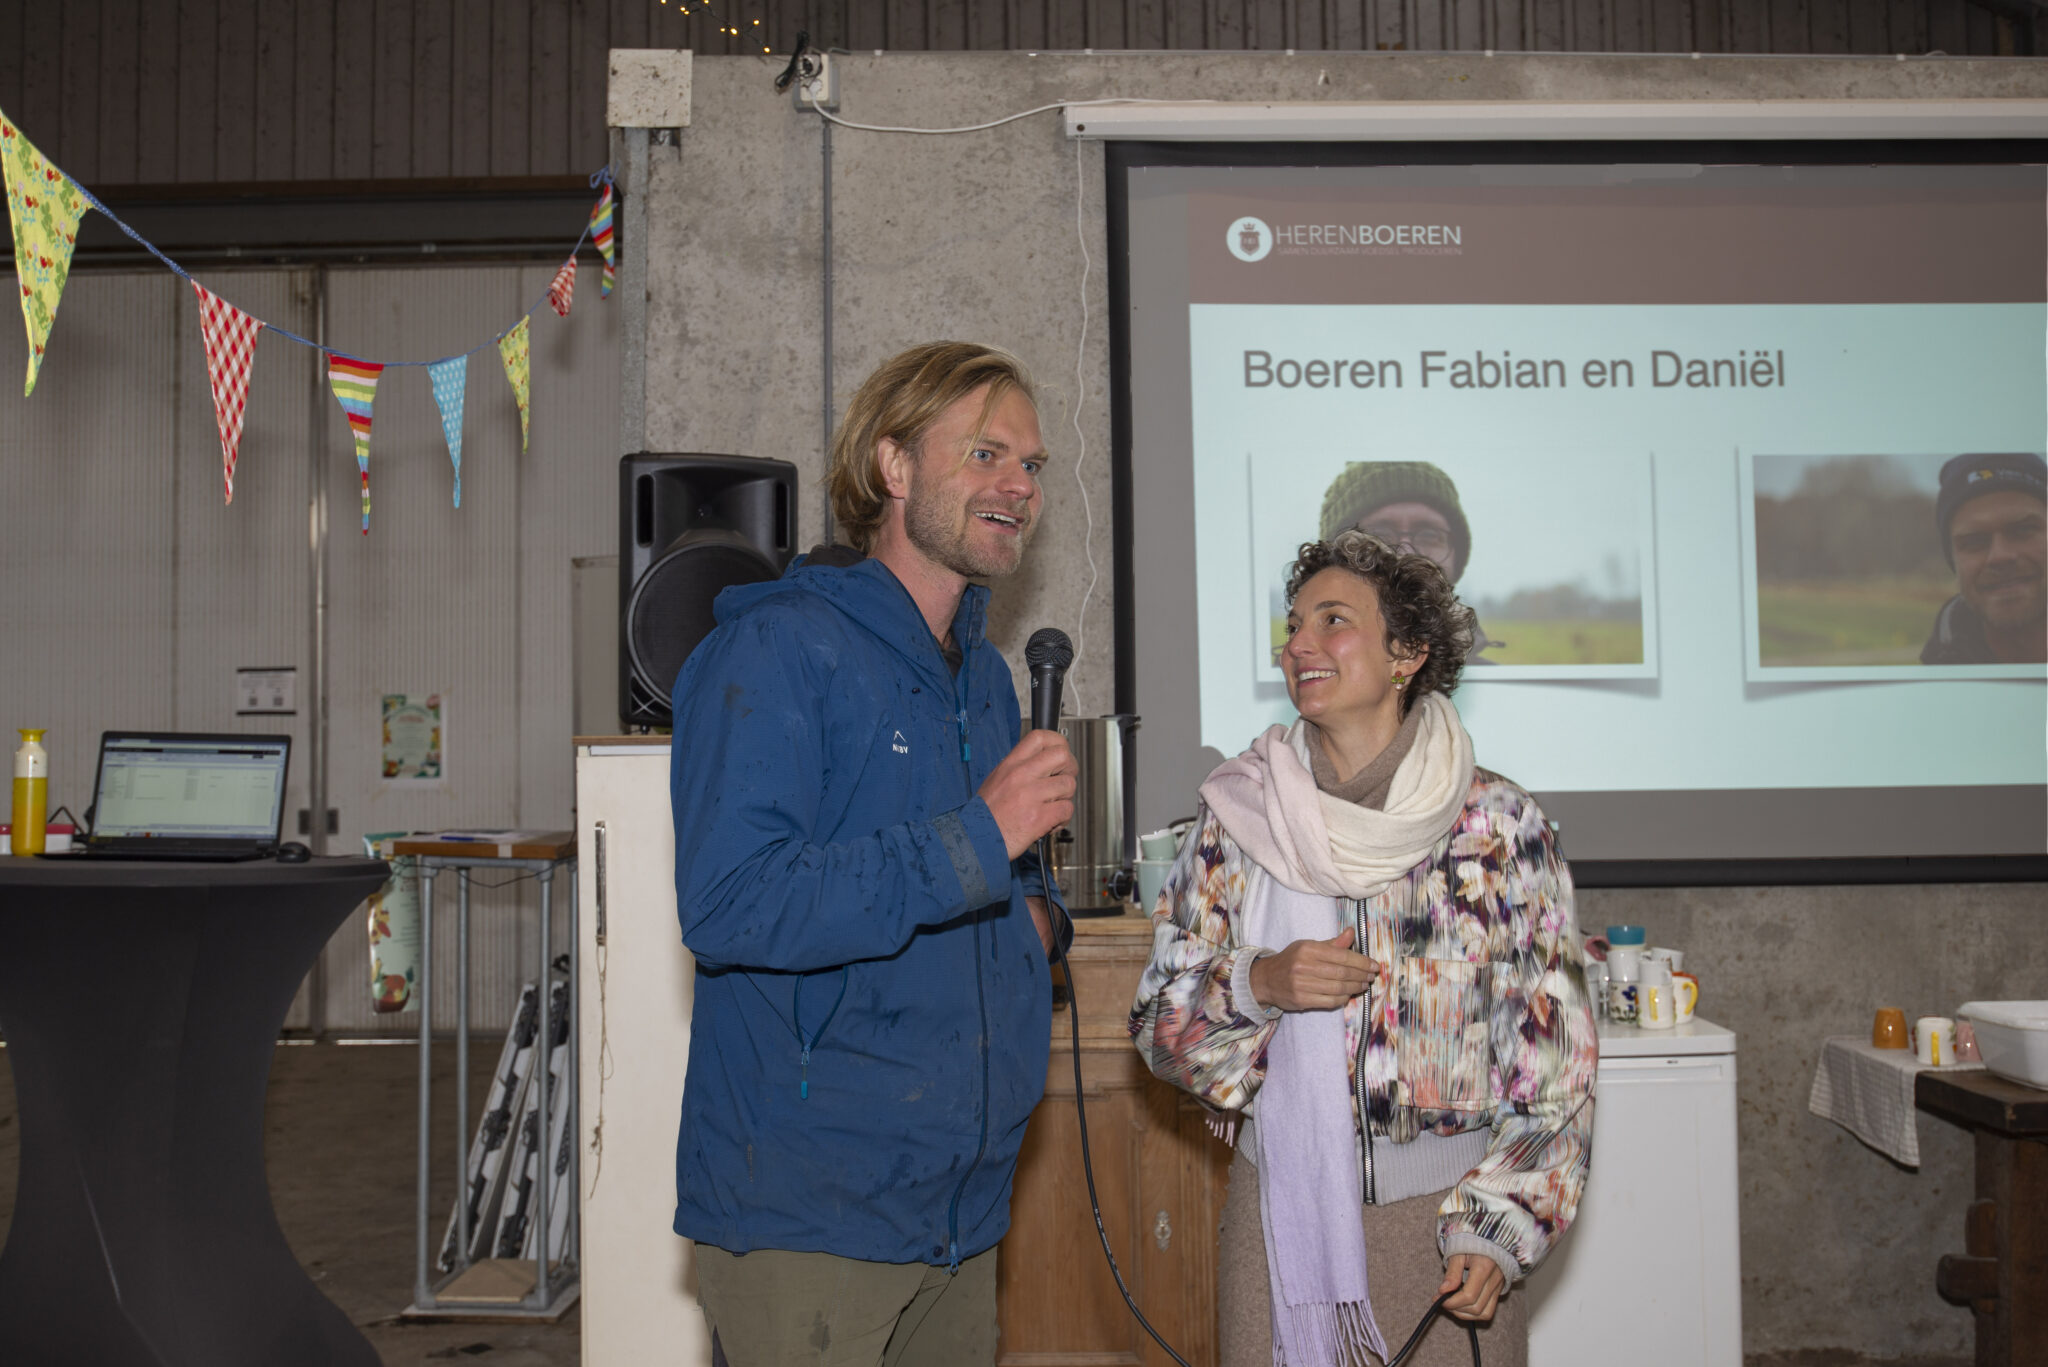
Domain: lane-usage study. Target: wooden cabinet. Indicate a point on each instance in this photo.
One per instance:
(1158, 1172)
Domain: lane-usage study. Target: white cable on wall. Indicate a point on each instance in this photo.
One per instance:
(1080, 396)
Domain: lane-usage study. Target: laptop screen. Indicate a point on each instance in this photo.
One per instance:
(190, 787)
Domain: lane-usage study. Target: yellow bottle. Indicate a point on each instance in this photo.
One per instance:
(31, 793)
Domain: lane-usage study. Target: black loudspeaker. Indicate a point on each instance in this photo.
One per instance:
(690, 526)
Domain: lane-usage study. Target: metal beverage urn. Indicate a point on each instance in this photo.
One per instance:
(1088, 853)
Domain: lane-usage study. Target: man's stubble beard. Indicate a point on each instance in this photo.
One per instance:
(2023, 617)
(929, 526)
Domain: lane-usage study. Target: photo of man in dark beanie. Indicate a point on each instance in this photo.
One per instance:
(1410, 504)
(1994, 534)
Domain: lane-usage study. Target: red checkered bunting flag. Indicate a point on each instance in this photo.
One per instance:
(564, 289)
(230, 347)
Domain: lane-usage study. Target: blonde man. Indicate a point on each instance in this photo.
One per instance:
(854, 815)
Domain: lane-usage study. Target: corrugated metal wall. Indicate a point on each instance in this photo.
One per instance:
(124, 92)
(472, 604)
(133, 593)
(1752, 26)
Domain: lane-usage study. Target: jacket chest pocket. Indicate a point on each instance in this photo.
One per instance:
(1444, 1057)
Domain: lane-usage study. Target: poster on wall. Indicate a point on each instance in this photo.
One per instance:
(413, 731)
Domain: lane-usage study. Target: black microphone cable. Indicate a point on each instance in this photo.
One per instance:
(1059, 950)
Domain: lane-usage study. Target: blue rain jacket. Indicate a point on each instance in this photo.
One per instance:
(873, 1006)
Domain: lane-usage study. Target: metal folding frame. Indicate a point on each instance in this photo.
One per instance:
(553, 1292)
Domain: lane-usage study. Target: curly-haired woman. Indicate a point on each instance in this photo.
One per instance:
(1369, 942)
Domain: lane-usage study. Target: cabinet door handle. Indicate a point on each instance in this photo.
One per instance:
(1162, 1231)
(598, 833)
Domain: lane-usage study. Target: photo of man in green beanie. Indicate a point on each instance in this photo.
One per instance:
(1411, 504)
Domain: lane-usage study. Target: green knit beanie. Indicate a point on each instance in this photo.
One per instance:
(1368, 485)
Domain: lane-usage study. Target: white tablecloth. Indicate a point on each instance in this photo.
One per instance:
(1869, 1092)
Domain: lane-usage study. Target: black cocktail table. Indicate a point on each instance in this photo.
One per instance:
(141, 1004)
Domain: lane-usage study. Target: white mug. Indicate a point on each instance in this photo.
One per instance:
(1596, 986)
(1656, 1003)
(1934, 1040)
(1685, 992)
(1674, 959)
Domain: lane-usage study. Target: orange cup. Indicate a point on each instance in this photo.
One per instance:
(1888, 1031)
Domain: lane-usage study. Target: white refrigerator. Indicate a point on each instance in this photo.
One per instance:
(1653, 1257)
(634, 995)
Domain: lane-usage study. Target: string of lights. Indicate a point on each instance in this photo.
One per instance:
(687, 8)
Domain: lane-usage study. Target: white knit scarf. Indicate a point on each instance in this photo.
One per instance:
(1268, 800)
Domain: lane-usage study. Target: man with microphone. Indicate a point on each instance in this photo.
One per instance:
(854, 816)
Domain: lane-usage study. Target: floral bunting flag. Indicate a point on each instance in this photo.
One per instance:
(230, 337)
(563, 291)
(355, 388)
(448, 379)
(45, 208)
(512, 349)
(601, 234)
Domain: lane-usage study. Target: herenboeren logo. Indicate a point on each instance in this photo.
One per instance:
(1249, 239)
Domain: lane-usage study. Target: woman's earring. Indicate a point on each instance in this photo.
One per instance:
(1400, 681)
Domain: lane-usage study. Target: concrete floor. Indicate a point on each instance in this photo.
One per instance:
(340, 1140)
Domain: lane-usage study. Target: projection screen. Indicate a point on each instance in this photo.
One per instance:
(1676, 417)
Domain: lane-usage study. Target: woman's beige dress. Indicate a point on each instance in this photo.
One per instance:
(1405, 1270)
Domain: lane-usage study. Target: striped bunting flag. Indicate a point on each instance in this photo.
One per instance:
(355, 388)
(512, 349)
(230, 337)
(563, 291)
(448, 378)
(601, 234)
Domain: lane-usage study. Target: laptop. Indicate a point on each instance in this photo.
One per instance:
(172, 795)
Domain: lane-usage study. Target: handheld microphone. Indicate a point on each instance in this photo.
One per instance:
(1047, 655)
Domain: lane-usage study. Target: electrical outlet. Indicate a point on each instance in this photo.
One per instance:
(817, 82)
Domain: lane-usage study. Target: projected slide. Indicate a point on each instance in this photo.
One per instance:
(1739, 467)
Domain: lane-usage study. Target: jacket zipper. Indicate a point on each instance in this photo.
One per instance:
(1358, 1083)
(980, 991)
(796, 1020)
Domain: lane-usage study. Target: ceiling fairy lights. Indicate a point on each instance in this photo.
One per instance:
(748, 31)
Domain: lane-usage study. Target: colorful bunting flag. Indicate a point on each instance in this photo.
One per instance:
(512, 348)
(44, 207)
(449, 378)
(230, 337)
(355, 388)
(601, 234)
(563, 290)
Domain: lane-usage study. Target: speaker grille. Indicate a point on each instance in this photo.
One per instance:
(670, 610)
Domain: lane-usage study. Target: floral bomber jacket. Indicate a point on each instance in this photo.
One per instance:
(1479, 1017)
